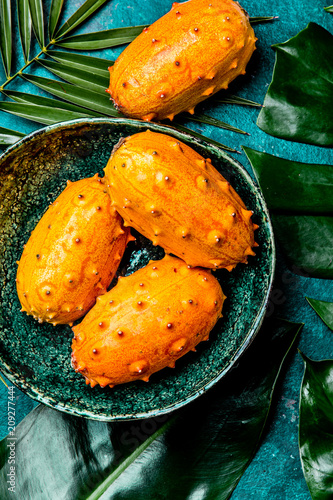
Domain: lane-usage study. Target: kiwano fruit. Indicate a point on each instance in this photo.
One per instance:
(177, 199)
(146, 322)
(72, 254)
(192, 52)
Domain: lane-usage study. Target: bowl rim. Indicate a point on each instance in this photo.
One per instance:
(31, 391)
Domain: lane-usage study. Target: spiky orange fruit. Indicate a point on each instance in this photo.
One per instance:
(192, 52)
(72, 254)
(146, 322)
(177, 199)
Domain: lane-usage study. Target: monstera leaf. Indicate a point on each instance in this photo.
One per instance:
(324, 310)
(315, 428)
(299, 196)
(204, 447)
(298, 104)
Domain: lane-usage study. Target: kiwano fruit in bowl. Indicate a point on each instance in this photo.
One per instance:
(192, 52)
(177, 199)
(72, 255)
(146, 322)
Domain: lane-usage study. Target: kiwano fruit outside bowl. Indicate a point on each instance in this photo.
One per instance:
(189, 54)
(37, 357)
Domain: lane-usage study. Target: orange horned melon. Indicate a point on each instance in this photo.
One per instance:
(192, 52)
(176, 198)
(72, 254)
(146, 322)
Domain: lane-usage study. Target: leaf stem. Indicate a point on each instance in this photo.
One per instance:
(27, 64)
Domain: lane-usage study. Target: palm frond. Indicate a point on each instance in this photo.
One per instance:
(38, 100)
(209, 120)
(204, 138)
(55, 11)
(101, 39)
(79, 77)
(234, 99)
(37, 17)
(6, 35)
(24, 23)
(8, 136)
(262, 19)
(75, 95)
(85, 11)
(40, 114)
(96, 65)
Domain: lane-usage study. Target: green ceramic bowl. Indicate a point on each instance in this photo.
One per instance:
(36, 357)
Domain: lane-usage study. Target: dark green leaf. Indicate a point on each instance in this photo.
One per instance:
(324, 310)
(6, 35)
(85, 98)
(88, 8)
(298, 104)
(293, 186)
(329, 8)
(209, 120)
(315, 428)
(40, 114)
(46, 101)
(262, 19)
(101, 39)
(55, 11)
(307, 241)
(95, 64)
(234, 99)
(84, 79)
(24, 22)
(37, 17)
(204, 138)
(8, 136)
(204, 447)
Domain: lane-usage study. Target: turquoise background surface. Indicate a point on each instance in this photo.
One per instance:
(275, 473)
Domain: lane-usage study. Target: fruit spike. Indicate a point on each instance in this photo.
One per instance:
(128, 350)
(224, 42)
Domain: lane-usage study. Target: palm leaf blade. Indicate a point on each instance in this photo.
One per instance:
(96, 64)
(40, 114)
(75, 95)
(234, 99)
(6, 35)
(83, 79)
(102, 39)
(23, 97)
(262, 19)
(209, 120)
(36, 11)
(55, 12)
(8, 136)
(204, 138)
(329, 8)
(88, 8)
(24, 22)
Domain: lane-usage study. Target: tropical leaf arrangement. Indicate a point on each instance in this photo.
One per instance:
(123, 460)
(296, 105)
(299, 197)
(211, 441)
(85, 78)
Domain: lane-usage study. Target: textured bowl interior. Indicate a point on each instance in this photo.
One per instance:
(36, 357)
